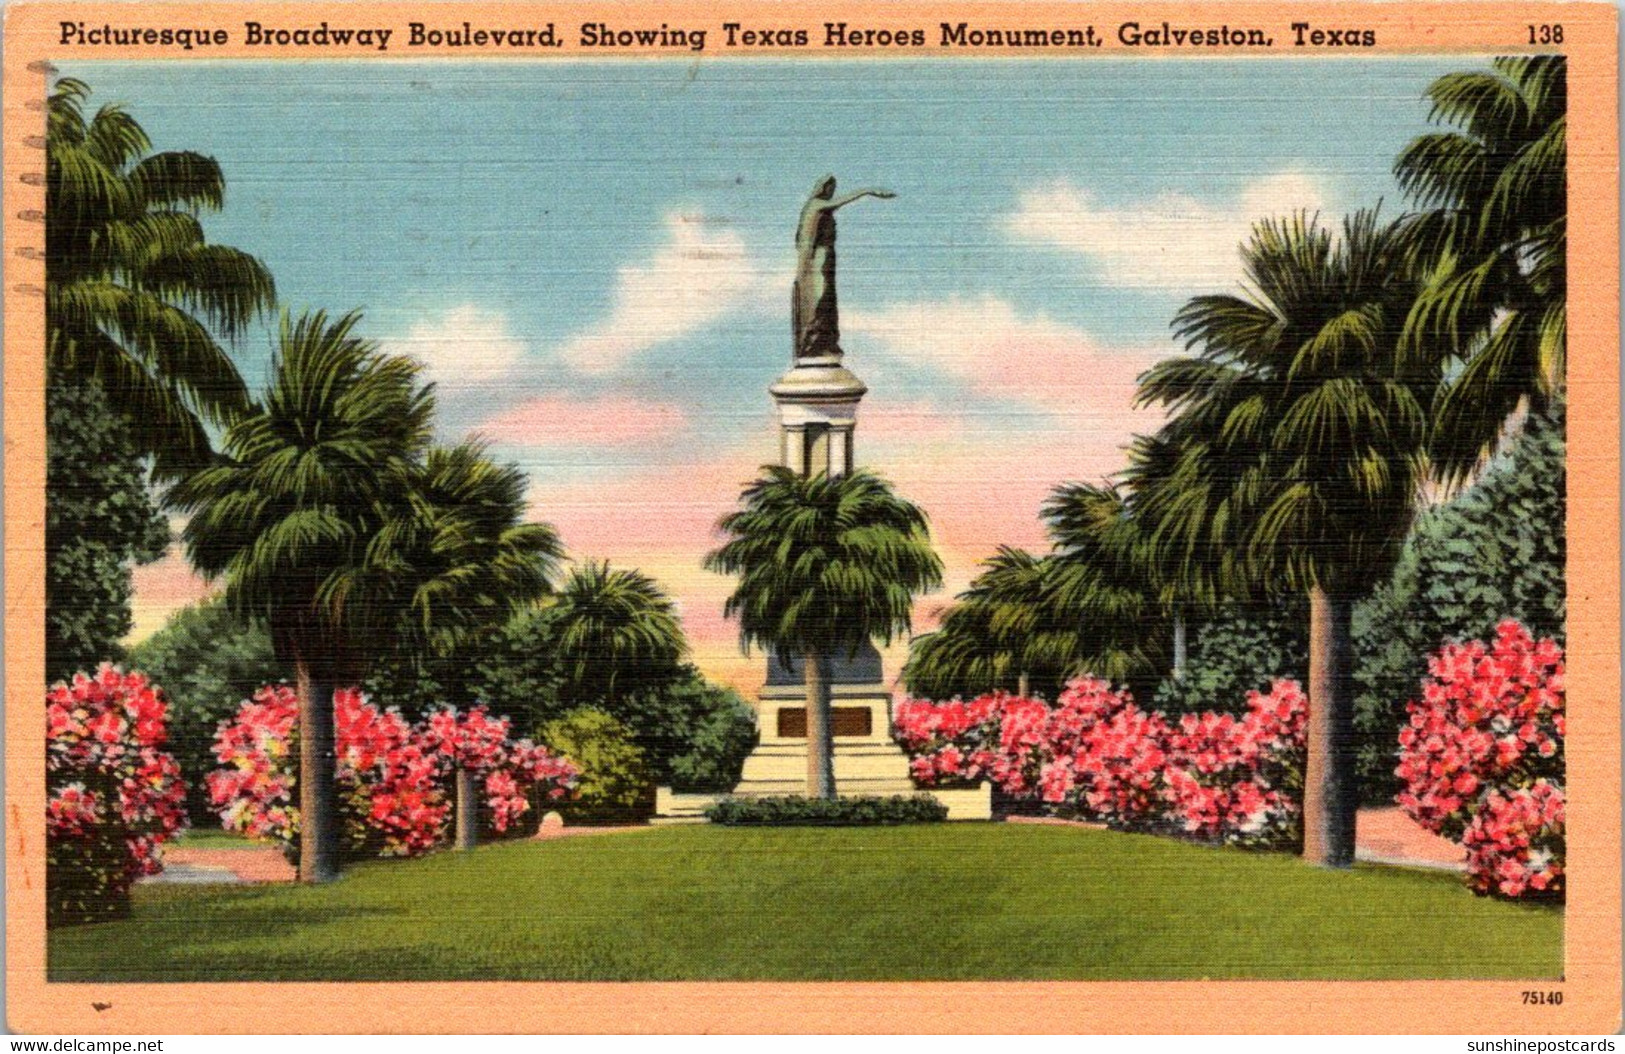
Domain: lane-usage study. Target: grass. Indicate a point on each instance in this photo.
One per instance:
(931, 902)
(204, 838)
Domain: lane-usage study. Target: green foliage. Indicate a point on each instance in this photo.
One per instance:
(132, 287)
(1298, 433)
(615, 777)
(208, 662)
(824, 563)
(99, 521)
(615, 633)
(796, 811)
(696, 734)
(1493, 237)
(1497, 551)
(1236, 650)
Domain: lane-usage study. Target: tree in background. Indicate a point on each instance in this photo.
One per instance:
(288, 519)
(99, 521)
(134, 295)
(1236, 649)
(825, 565)
(615, 634)
(208, 661)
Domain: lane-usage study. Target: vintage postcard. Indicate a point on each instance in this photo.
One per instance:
(793, 517)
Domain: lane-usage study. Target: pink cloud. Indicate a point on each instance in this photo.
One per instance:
(998, 352)
(552, 420)
(161, 588)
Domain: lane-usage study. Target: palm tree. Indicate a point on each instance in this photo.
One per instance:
(132, 287)
(288, 516)
(1101, 579)
(1000, 634)
(825, 564)
(1493, 237)
(615, 633)
(1299, 443)
(459, 559)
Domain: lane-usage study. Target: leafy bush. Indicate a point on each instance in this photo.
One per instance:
(113, 795)
(394, 777)
(1481, 759)
(1496, 552)
(615, 781)
(796, 811)
(100, 520)
(1239, 649)
(1211, 776)
(208, 661)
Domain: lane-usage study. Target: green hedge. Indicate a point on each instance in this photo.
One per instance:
(796, 811)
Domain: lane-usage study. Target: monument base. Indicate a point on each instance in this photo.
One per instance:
(868, 762)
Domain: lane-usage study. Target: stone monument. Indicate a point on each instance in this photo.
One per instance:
(817, 403)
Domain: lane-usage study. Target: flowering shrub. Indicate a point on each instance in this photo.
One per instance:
(113, 795)
(1238, 779)
(1095, 753)
(509, 770)
(1481, 760)
(392, 775)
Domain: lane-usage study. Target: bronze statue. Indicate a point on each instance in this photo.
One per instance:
(815, 329)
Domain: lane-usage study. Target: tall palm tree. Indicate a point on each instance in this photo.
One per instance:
(1002, 634)
(615, 633)
(458, 559)
(289, 515)
(1300, 433)
(825, 565)
(134, 293)
(1493, 236)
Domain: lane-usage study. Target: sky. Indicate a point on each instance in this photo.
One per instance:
(592, 259)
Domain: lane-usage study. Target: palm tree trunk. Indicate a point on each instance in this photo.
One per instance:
(1022, 684)
(318, 787)
(1329, 792)
(468, 809)
(820, 743)
(1179, 644)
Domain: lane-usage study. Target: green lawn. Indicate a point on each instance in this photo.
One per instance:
(948, 901)
(203, 838)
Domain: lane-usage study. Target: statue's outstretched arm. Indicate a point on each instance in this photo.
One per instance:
(855, 195)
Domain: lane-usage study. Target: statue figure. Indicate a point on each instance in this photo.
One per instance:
(815, 330)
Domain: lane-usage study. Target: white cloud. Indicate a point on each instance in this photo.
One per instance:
(1172, 240)
(464, 348)
(700, 274)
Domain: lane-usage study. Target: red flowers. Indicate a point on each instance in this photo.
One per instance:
(394, 776)
(114, 796)
(1482, 759)
(1212, 776)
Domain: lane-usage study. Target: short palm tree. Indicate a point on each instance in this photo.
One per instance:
(457, 559)
(615, 633)
(1001, 634)
(1101, 581)
(825, 565)
(288, 517)
(134, 293)
(1300, 435)
(1493, 238)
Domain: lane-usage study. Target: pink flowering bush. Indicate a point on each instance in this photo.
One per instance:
(1239, 779)
(1095, 753)
(1481, 759)
(393, 776)
(113, 795)
(508, 771)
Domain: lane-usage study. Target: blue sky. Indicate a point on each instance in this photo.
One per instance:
(592, 256)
